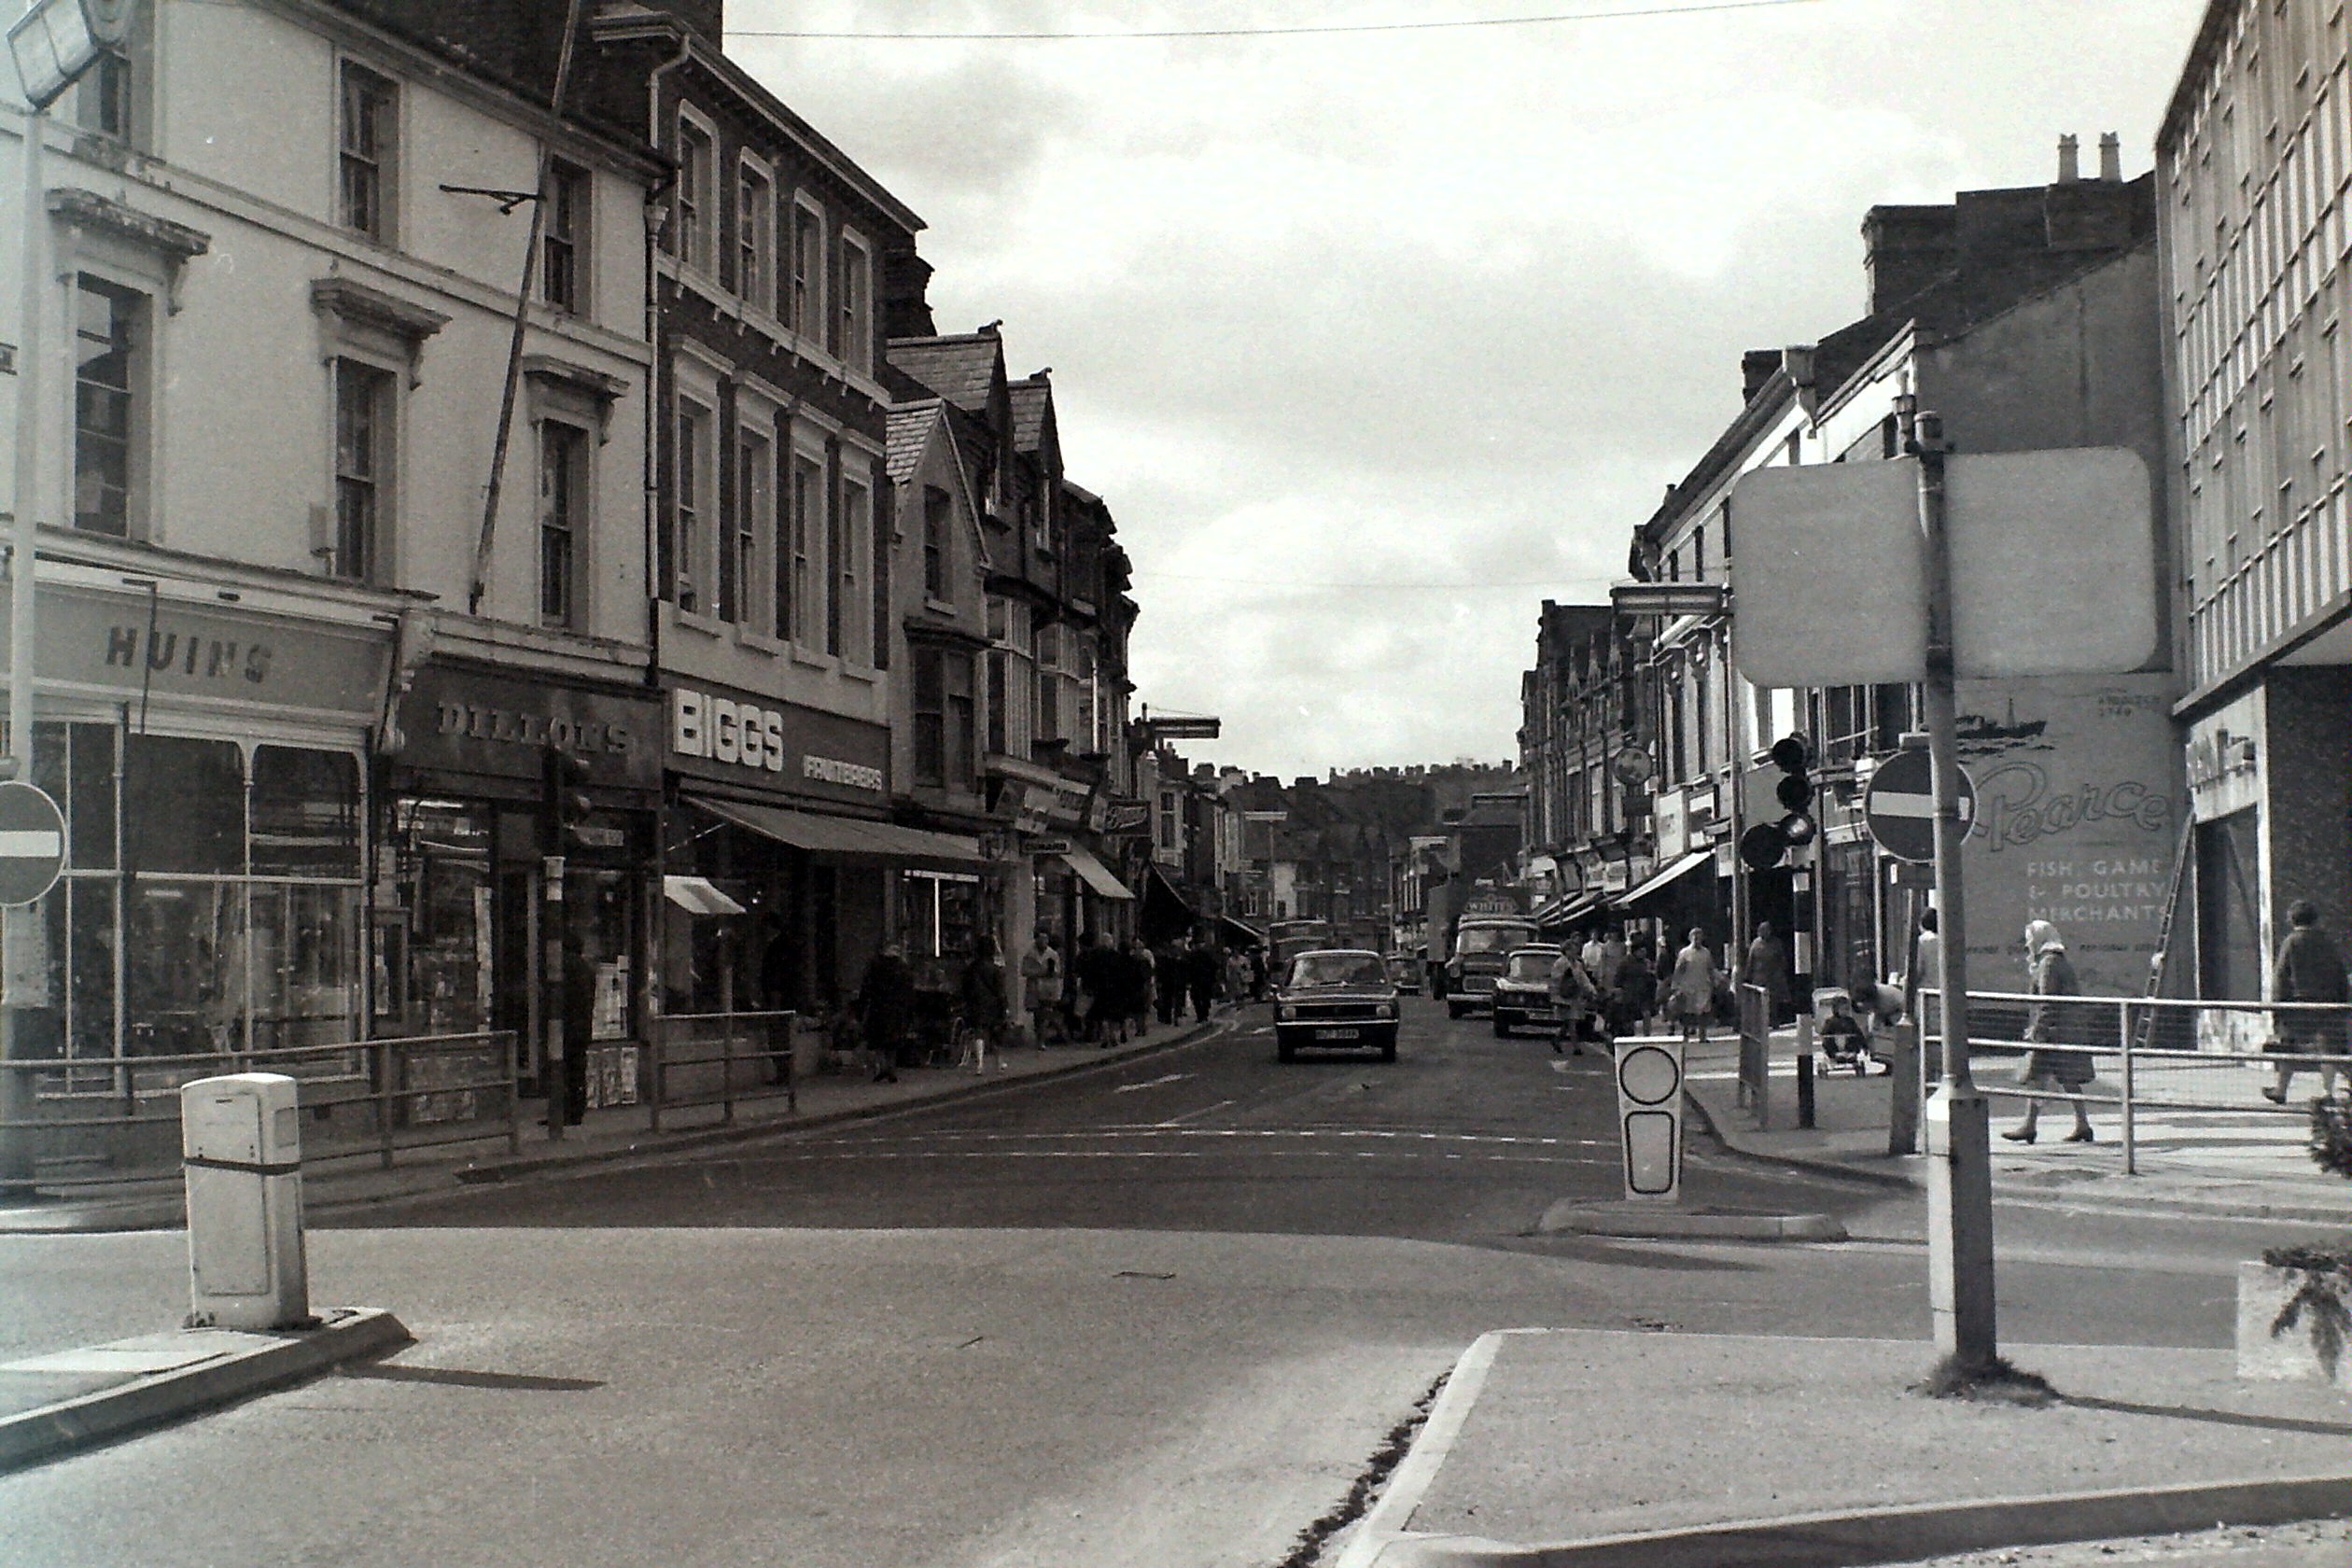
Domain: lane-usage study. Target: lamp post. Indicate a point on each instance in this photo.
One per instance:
(52, 44)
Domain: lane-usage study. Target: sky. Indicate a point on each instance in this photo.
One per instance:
(1374, 341)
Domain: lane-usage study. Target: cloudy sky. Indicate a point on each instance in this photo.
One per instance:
(1374, 341)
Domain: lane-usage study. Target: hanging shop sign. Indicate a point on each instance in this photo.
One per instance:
(131, 646)
(737, 737)
(464, 720)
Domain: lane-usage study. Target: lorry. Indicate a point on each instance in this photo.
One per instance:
(1471, 929)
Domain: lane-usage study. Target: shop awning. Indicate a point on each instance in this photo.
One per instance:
(1674, 872)
(1093, 873)
(849, 838)
(1567, 911)
(1249, 936)
(698, 896)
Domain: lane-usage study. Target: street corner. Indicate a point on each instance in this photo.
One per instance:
(66, 1400)
(1656, 1222)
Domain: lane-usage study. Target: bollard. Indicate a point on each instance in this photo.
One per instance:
(241, 1144)
(1903, 1122)
(1804, 1089)
(1649, 1086)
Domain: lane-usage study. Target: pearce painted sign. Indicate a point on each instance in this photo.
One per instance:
(2079, 811)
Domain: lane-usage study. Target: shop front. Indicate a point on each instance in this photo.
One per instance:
(209, 758)
(781, 810)
(517, 838)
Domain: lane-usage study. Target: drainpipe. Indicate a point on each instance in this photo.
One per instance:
(656, 219)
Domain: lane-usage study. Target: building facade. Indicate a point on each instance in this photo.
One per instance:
(2250, 168)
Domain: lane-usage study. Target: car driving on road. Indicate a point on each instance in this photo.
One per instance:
(1522, 992)
(1336, 997)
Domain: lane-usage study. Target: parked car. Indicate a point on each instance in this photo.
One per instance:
(1405, 973)
(1522, 992)
(1338, 997)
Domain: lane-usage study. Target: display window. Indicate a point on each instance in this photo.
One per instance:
(443, 985)
(211, 898)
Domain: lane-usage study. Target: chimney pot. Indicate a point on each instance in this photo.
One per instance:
(2111, 159)
(2069, 159)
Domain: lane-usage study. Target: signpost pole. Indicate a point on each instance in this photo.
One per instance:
(16, 945)
(1960, 1161)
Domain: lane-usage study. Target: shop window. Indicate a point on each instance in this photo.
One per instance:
(185, 810)
(940, 911)
(562, 281)
(444, 859)
(370, 139)
(185, 963)
(111, 403)
(303, 963)
(305, 813)
(76, 764)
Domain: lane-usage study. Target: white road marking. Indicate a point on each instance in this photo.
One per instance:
(1164, 1129)
(1179, 1121)
(1152, 1082)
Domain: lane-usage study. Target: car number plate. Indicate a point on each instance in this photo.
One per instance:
(1336, 1033)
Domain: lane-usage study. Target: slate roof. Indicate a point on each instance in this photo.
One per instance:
(1032, 399)
(910, 432)
(960, 368)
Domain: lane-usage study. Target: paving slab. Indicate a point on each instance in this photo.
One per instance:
(1567, 1435)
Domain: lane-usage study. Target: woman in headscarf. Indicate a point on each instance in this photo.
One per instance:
(2056, 1029)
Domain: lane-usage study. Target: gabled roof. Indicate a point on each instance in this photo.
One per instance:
(962, 367)
(1032, 411)
(909, 433)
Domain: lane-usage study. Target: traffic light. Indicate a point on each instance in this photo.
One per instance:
(565, 776)
(1795, 790)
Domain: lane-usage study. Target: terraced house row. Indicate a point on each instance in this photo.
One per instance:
(516, 554)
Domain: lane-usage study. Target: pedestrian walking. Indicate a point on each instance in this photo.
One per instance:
(1605, 974)
(1572, 996)
(2309, 969)
(1100, 975)
(2057, 1029)
(1635, 996)
(1168, 976)
(1690, 992)
(1141, 976)
(886, 1006)
(982, 994)
(1042, 977)
(1201, 969)
(1766, 966)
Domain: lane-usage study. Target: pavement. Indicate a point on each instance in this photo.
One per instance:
(2251, 1164)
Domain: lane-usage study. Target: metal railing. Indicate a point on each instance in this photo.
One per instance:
(118, 1117)
(2178, 1057)
(699, 1059)
(1755, 1052)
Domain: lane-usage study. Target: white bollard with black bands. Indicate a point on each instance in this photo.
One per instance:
(241, 1141)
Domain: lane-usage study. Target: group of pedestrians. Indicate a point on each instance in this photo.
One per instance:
(1105, 993)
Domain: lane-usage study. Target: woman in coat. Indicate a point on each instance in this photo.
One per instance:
(2053, 1027)
(1690, 993)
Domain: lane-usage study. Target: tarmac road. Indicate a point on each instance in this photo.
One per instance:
(1160, 1315)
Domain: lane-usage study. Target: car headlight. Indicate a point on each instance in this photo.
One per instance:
(1286, 1011)
(1384, 1010)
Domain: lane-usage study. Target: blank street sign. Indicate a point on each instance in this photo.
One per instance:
(2052, 569)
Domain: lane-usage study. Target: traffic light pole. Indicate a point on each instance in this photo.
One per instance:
(1959, 1148)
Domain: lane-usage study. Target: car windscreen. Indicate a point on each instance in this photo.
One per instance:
(1493, 939)
(1337, 969)
(1531, 967)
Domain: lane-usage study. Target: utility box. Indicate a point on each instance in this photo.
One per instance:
(241, 1141)
(1649, 1086)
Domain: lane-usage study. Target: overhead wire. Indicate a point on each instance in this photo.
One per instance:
(1304, 30)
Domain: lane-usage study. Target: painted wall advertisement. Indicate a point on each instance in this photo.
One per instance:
(2079, 801)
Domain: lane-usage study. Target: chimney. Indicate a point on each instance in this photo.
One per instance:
(2111, 159)
(2069, 159)
(1756, 367)
(1905, 249)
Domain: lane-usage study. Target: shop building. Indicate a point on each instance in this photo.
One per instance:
(277, 341)
(2250, 167)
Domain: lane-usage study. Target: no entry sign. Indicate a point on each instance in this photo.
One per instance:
(31, 843)
(1901, 806)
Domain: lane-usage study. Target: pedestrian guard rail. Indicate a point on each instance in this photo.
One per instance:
(2199, 1064)
(101, 1121)
(699, 1060)
(1754, 1005)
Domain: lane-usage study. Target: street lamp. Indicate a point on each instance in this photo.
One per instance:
(53, 44)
